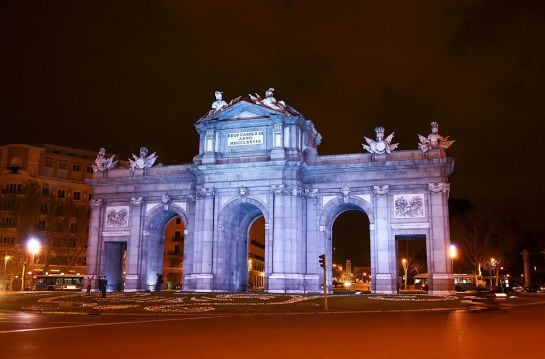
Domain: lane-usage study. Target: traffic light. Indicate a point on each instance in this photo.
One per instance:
(322, 260)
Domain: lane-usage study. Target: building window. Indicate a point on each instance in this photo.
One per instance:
(76, 196)
(63, 164)
(60, 193)
(41, 225)
(48, 162)
(73, 227)
(89, 169)
(76, 166)
(72, 242)
(44, 209)
(178, 220)
(13, 187)
(8, 221)
(60, 211)
(45, 190)
(6, 240)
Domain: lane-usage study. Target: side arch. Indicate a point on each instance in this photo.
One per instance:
(342, 204)
(329, 214)
(153, 231)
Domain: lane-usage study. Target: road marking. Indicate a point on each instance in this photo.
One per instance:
(105, 324)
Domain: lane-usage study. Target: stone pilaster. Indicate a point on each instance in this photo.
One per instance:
(314, 247)
(94, 254)
(134, 245)
(202, 277)
(441, 280)
(384, 277)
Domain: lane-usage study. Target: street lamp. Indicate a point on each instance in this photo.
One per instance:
(453, 251)
(492, 271)
(6, 259)
(33, 247)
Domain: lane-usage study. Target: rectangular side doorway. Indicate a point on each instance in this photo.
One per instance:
(114, 265)
(412, 263)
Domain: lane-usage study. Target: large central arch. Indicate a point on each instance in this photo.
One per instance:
(231, 253)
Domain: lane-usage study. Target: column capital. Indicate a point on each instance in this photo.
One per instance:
(96, 203)
(205, 192)
(136, 201)
(381, 190)
(277, 188)
(311, 192)
(439, 187)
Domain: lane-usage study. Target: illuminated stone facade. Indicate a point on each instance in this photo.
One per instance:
(258, 157)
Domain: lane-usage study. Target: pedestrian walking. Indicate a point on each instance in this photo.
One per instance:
(88, 286)
(159, 283)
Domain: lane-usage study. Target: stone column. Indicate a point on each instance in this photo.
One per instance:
(383, 246)
(132, 261)
(202, 278)
(275, 278)
(189, 244)
(314, 273)
(441, 279)
(94, 252)
(288, 254)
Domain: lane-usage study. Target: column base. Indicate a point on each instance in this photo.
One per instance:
(383, 284)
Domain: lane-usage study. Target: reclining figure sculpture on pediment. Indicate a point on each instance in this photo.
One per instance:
(269, 100)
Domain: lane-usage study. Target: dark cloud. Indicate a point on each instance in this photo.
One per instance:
(126, 73)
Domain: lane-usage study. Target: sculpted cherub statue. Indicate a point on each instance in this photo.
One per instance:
(380, 145)
(434, 140)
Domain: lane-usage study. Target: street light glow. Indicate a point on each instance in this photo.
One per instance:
(33, 246)
(453, 251)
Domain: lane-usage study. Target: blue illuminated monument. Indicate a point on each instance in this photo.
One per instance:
(258, 157)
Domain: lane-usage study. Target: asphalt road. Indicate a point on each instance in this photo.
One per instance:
(517, 333)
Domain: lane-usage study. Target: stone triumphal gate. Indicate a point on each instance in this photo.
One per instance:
(258, 157)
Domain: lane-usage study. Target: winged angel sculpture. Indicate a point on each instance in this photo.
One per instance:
(380, 145)
(144, 161)
(434, 140)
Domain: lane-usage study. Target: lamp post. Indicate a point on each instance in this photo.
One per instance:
(6, 259)
(492, 270)
(33, 247)
(453, 251)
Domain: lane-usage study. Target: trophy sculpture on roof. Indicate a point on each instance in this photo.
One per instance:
(380, 145)
(434, 140)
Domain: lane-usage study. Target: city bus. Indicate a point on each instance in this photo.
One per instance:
(462, 282)
(57, 282)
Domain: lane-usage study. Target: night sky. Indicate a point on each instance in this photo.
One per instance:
(122, 74)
